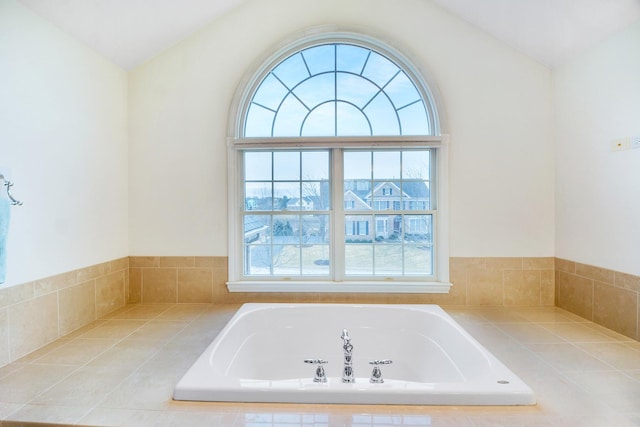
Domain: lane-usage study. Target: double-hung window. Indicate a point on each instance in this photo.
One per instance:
(336, 175)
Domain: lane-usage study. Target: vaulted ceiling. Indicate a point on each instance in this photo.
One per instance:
(129, 32)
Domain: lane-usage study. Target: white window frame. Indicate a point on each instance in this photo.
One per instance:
(236, 144)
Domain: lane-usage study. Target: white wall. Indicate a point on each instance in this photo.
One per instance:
(63, 137)
(597, 100)
(497, 102)
(63, 141)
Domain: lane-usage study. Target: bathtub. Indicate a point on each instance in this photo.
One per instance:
(259, 357)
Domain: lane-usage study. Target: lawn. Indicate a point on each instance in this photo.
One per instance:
(360, 259)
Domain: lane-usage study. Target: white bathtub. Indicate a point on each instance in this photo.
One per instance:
(259, 357)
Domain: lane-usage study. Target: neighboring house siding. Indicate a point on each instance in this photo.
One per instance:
(386, 196)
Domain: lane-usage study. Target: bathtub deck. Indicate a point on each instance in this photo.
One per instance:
(121, 371)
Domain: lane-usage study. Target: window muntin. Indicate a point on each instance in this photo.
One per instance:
(287, 218)
(401, 241)
(286, 245)
(285, 221)
(286, 180)
(336, 89)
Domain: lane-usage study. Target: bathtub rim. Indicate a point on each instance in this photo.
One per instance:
(516, 392)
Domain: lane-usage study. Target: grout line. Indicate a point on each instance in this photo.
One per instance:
(78, 367)
(57, 314)
(95, 299)
(151, 356)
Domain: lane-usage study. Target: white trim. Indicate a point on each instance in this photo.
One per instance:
(254, 76)
(439, 216)
(380, 40)
(236, 144)
(337, 226)
(387, 287)
(335, 141)
(442, 222)
(233, 216)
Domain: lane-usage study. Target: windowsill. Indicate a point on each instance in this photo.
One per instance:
(386, 287)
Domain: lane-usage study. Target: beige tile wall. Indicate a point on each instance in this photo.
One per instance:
(606, 297)
(477, 281)
(512, 281)
(187, 279)
(36, 313)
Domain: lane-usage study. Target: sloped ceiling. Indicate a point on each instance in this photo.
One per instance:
(550, 31)
(129, 32)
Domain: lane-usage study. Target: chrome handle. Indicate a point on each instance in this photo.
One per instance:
(381, 362)
(314, 361)
(320, 376)
(376, 374)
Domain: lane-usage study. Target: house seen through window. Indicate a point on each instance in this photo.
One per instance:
(336, 169)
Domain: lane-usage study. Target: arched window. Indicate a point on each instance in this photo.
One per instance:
(334, 173)
(337, 89)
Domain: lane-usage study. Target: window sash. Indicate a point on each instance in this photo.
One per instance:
(337, 217)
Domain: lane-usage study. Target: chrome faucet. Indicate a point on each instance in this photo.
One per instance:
(320, 376)
(347, 372)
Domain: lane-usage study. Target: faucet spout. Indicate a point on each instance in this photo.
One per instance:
(347, 339)
(347, 347)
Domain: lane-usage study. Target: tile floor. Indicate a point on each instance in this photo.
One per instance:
(120, 371)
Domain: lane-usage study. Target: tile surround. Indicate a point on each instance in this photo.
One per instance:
(177, 279)
(609, 298)
(477, 281)
(35, 313)
(606, 297)
(504, 281)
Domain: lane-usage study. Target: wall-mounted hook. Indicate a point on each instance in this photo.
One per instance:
(9, 184)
